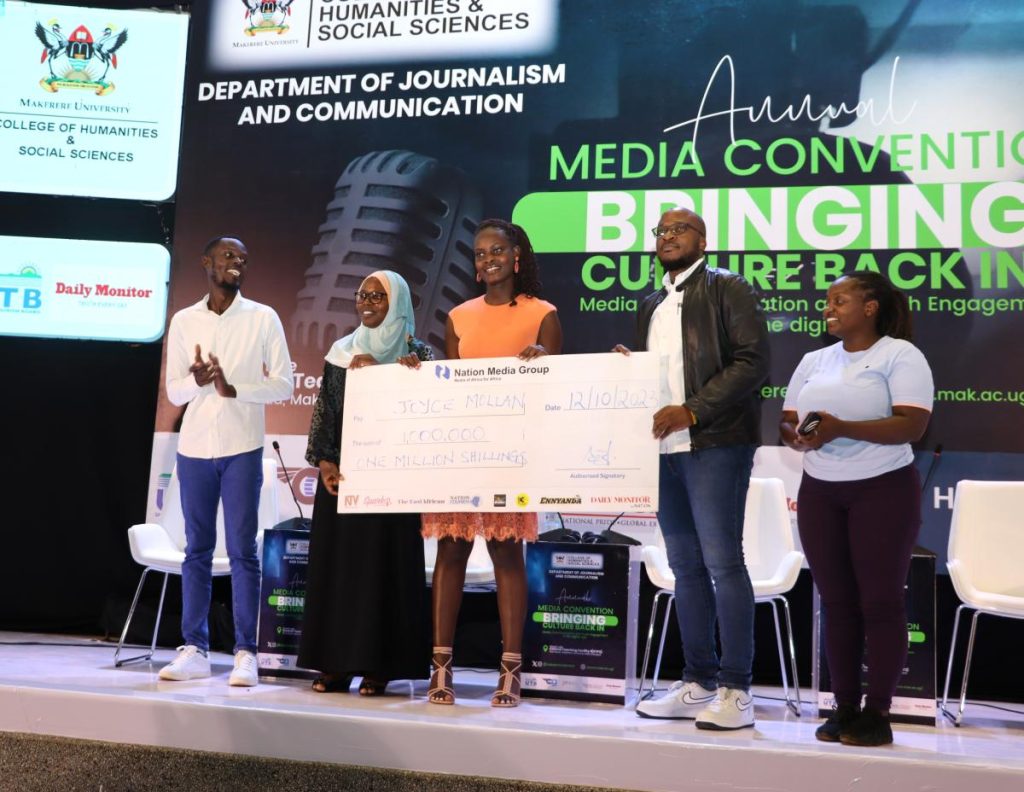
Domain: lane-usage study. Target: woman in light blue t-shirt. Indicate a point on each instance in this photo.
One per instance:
(859, 505)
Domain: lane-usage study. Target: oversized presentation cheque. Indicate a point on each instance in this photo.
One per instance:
(561, 432)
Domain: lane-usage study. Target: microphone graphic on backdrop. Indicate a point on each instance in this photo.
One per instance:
(301, 522)
(394, 210)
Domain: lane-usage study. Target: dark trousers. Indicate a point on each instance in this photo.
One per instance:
(858, 537)
(702, 497)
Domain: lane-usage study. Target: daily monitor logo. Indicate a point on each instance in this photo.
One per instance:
(267, 16)
(79, 61)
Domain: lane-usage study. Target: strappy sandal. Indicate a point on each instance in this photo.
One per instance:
(504, 696)
(372, 687)
(441, 680)
(331, 683)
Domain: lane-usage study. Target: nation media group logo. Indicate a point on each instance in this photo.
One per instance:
(464, 500)
(267, 16)
(78, 60)
(21, 292)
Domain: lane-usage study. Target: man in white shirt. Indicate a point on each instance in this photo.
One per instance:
(226, 358)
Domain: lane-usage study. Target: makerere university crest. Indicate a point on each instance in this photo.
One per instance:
(78, 61)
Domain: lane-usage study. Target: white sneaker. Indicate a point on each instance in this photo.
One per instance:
(731, 709)
(245, 673)
(683, 700)
(190, 663)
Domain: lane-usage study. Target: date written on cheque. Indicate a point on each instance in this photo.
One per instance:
(611, 397)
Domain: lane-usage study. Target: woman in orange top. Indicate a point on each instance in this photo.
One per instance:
(508, 319)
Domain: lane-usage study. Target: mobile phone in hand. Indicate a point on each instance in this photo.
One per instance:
(809, 423)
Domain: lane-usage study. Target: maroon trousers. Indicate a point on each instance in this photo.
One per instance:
(858, 537)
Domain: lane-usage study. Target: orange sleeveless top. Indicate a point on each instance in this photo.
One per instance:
(498, 330)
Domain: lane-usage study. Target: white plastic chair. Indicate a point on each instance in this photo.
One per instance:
(773, 563)
(986, 562)
(479, 569)
(160, 547)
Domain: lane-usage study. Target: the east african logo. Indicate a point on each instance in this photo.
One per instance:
(77, 61)
(267, 16)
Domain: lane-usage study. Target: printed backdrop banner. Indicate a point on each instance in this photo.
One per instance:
(815, 138)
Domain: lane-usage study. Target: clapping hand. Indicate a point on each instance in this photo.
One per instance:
(219, 380)
(200, 369)
(210, 371)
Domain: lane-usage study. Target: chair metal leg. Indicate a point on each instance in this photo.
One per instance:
(647, 649)
(670, 601)
(650, 641)
(127, 623)
(967, 668)
(794, 706)
(159, 613)
(778, 646)
(792, 659)
(949, 668)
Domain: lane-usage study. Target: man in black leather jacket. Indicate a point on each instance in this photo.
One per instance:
(707, 327)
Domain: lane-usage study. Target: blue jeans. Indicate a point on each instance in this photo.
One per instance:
(703, 495)
(236, 480)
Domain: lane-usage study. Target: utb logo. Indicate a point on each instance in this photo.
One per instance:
(20, 299)
(522, 500)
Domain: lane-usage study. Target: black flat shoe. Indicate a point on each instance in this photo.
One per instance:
(838, 722)
(373, 687)
(871, 728)
(332, 683)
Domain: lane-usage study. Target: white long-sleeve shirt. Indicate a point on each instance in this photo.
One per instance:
(249, 342)
(665, 339)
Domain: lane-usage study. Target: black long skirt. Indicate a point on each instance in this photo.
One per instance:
(367, 604)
